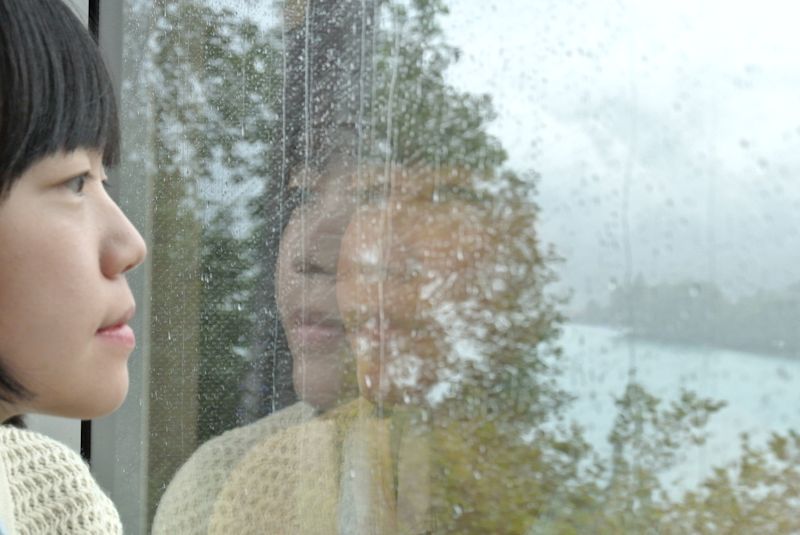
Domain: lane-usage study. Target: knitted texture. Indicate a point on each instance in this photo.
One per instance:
(330, 476)
(188, 503)
(52, 489)
(291, 472)
(345, 472)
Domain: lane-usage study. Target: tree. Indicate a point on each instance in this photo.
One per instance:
(504, 458)
(502, 445)
(208, 90)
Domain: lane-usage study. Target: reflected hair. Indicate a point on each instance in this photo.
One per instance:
(55, 92)
(55, 95)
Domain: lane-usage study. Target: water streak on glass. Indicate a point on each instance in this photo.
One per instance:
(423, 266)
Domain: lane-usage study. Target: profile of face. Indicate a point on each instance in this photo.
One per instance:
(306, 285)
(410, 269)
(65, 247)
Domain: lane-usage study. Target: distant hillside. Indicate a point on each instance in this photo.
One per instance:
(699, 313)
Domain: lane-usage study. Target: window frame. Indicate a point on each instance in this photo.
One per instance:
(117, 443)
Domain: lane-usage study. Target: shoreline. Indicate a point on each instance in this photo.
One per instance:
(627, 332)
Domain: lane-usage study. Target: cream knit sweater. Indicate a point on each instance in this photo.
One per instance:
(50, 488)
(293, 473)
(334, 475)
(192, 496)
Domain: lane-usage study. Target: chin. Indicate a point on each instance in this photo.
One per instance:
(105, 409)
(320, 394)
(110, 403)
(98, 402)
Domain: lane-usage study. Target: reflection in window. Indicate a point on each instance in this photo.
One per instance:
(357, 326)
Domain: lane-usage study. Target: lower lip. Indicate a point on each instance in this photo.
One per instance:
(121, 335)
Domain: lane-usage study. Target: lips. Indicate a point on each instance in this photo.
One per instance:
(118, 332)
(316, 329)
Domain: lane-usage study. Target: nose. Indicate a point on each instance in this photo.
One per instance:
(321, 240)
(123, 248)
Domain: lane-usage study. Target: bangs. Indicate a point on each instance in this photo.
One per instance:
(55, 92)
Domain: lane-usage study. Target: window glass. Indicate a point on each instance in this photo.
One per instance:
(427, 266)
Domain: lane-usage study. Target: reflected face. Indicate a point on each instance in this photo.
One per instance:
(65, 303)
(407, 272)
(306, 287)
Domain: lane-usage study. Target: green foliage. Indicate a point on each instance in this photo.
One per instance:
(626, 493)
(758, 493)
(417, 117)
(506, 460)
(225, 325)
(211, 84)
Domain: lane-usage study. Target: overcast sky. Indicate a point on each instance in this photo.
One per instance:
(691, 107)
(679, 118)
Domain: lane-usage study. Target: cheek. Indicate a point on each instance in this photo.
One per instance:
(44, 340)
(49, 283)
(283, 278)
(41, 277)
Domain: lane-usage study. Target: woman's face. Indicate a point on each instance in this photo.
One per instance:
(306, 287)
(65, 247)
(406, 271)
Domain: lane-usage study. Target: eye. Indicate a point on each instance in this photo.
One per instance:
(76, 183)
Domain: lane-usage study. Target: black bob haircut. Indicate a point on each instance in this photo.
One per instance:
(55, 92)
(55, 95)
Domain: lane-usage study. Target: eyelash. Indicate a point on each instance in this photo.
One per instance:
(80, 182)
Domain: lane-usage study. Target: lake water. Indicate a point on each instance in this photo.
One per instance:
(761, 391)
